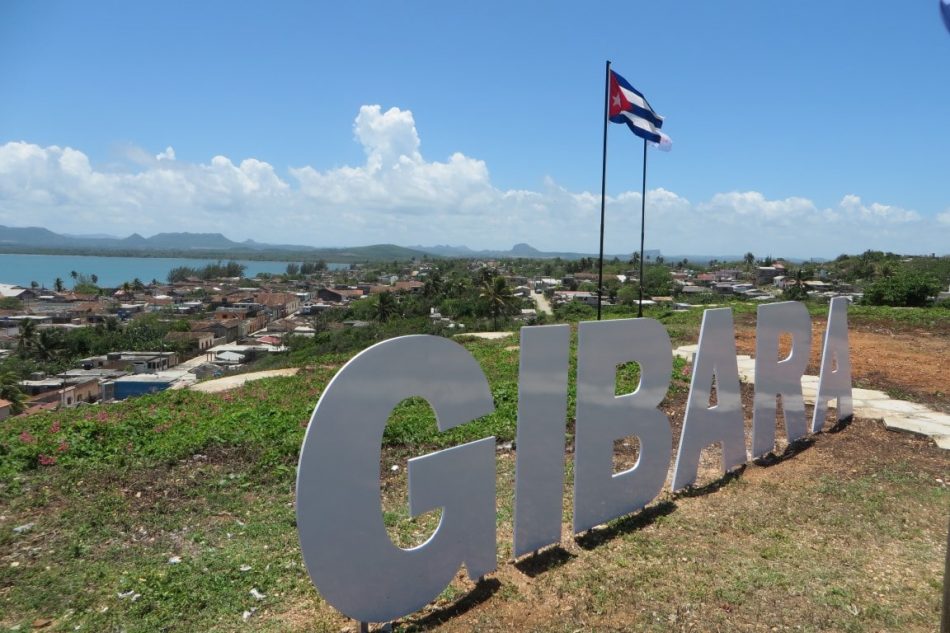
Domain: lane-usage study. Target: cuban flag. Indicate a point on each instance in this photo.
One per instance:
(628, 105)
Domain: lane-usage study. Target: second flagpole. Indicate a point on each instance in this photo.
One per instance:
(643, 218)
(603, 192)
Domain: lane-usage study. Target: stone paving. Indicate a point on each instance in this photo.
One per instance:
(897, 415)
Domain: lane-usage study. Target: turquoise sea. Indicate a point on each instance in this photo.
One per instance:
(112, 271)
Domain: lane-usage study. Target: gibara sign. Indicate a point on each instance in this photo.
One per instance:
(347, 551)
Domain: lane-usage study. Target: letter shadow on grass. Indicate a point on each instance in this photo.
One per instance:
(482, 592)
(794, 448)
(712, 486)
(549, 559)
(643, 518)
(841, 424)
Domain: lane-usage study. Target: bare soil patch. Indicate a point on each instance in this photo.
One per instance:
(907, 363)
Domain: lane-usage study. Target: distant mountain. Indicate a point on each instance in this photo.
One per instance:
(204, 245)
(705, 259)
(191, 241)
(34, 239)
(518, 250)
(90, 235)
(32, 235)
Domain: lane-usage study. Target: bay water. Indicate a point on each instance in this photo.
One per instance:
(112, 272)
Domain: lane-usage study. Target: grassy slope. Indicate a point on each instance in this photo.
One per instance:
(846, 536)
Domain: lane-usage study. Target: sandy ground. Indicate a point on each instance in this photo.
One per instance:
(230, 382)
(541, 301)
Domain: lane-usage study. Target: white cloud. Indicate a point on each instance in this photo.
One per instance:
(399, 196)
(875, 213)
(944, 218)
(751, 205)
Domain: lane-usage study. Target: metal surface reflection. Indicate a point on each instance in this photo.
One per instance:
(599, 494)
(542, 418)
(345, 546)
(704, 425)
(834, 381)
(774, 377)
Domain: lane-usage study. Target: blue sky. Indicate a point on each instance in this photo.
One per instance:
(800, 128)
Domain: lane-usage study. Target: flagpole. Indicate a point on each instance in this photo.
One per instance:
(643, 216)
(603, 192)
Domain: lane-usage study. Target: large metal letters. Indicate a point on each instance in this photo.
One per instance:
(542, 418)
(704, 425)
(834, 379)
(602, 417)
(346, 548)
(345, 545)
(774, 377)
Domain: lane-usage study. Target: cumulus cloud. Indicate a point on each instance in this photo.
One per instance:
(876, 213)
(398, 195)
(740, 207)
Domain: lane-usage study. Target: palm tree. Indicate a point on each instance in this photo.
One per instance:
(498, 295)
(10, 391)
(27, 337)
(385, 307)
(749, 260)
(95, 278)
(74, 275)
(434, 286)
(48, 345)
(58, 285)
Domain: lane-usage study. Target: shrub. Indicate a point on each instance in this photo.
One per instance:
(904, 289)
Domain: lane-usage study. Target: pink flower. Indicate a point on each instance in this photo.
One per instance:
(26, 438)
(63, 447)
(103, 416)
(54, 427)
(47, 460)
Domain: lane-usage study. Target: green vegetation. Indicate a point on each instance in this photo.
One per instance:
(52, 350)
(10, 391)
(905, 288)
(496, 294)
(211, 271)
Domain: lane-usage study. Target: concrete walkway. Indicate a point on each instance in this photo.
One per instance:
(490, 336)
(232, 382)
(897, 415)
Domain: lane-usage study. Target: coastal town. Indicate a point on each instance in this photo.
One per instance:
(205, 323)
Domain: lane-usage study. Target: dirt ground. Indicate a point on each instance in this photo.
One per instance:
(904, 362)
